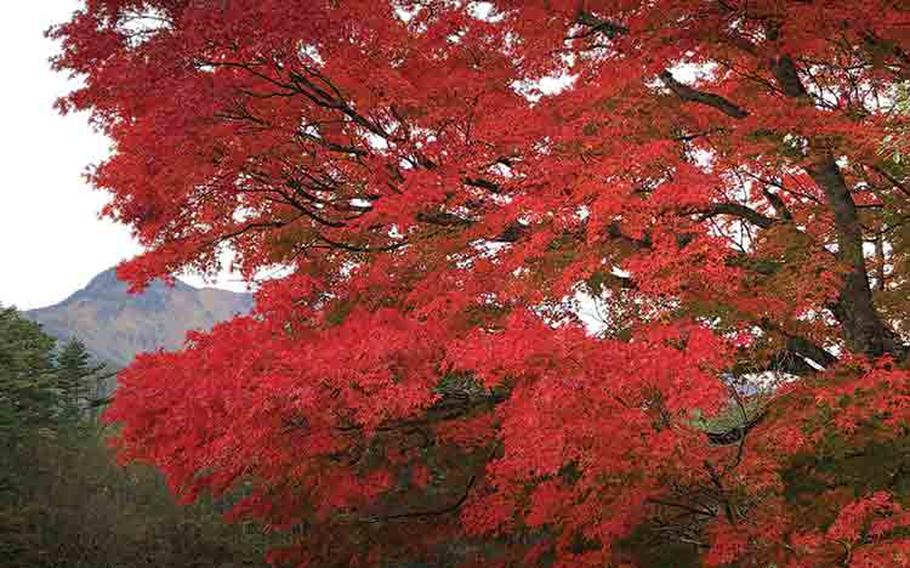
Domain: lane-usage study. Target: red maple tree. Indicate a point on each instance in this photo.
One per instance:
(566, 282)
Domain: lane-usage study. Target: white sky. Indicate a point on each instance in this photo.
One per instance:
(52, 241)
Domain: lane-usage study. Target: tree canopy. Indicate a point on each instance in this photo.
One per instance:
(559, 280)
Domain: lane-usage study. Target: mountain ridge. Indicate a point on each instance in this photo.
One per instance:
(116, 325)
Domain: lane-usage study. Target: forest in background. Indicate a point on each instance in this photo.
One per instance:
(64, 502)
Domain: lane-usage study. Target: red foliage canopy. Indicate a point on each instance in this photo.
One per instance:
(542, 260)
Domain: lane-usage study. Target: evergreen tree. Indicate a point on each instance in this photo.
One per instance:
(63, 502)
(28, 392)
(81, 381)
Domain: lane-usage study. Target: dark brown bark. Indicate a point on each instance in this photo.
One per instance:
(740, 211)
(787, 78)
(863, 329)
(880, 262)
(689, 94)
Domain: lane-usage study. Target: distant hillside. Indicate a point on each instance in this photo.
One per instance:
(115, 325)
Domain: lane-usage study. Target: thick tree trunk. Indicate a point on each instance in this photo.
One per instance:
(862, 327)
(864, 331)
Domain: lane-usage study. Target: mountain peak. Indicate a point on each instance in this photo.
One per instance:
(116, 325)
(107, 283)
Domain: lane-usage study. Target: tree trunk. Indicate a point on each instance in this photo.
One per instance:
(864, 331)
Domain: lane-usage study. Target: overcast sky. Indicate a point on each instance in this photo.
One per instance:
(51, 239)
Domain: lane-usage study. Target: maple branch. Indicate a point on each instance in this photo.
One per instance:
(722, 492)
(784, 71)
(512, 233)
(681, 90)
(778, 203)
(598, 25)
(614, 231)
(738, 210)
(799, 346)
(453, 404)
(741, 446)
(333, 146)
(683, 506)
(683, 137)
(247, 228)
(442, 219)
(358, 248)
(900, 185)
(305, 211)
(877, 44)
(689, 94)
(483, 184)
(805, 348)
(429, 513)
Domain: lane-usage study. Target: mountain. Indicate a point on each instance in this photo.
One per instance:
(115, 325)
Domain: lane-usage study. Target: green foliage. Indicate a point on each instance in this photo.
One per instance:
(648, 545)
(857, 470)
(42, 388)
(27, 375)
(78, 509)
(82, 383)
(63, 502)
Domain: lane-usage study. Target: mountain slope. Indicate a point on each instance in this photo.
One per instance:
(115, 325)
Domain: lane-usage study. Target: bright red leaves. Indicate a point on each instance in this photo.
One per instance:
(562, 275)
